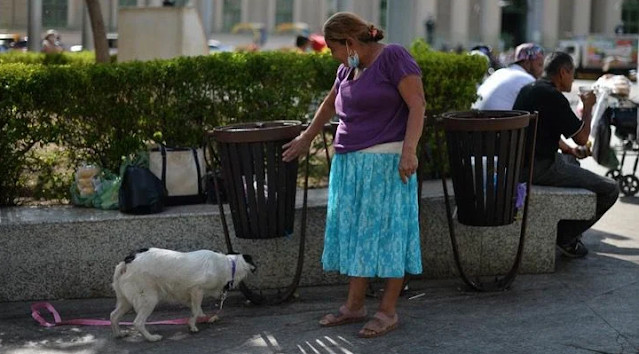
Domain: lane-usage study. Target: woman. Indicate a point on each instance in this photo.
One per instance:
(51, 43)
(372, 227)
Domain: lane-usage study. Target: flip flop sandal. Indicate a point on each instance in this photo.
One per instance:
(379, 325)
(344, 316)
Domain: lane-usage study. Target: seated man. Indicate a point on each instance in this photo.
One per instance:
(551, 168)
(500, 89)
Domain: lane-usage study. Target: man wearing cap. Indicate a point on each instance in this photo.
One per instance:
(551, 168)
(51, 43)
(500, 89)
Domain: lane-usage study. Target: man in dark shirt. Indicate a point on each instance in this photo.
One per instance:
(556, 118)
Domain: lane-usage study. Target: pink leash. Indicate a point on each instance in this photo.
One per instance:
(35, 313)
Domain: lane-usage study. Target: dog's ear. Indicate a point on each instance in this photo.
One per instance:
(131, 256)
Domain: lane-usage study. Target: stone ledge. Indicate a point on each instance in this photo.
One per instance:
(67, 252)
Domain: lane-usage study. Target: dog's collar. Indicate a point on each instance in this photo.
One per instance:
(230, 284)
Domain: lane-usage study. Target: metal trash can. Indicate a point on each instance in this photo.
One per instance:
(260, 187)
(487, 152)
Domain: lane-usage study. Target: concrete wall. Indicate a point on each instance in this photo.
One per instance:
(424, 10)
(76, 8)
(13, 14)
(314, 14)
(550, 24)
(565, 26)
(582, 11)
(67, 252)
(606, 14)
(160, 33)
(490, 22)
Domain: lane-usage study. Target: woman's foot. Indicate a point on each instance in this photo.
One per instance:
(379, 325)
(344, 316)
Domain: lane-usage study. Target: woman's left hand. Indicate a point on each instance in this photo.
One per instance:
(407, 166)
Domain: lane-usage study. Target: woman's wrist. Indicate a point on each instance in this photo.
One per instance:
(306, 136)
(409, 149)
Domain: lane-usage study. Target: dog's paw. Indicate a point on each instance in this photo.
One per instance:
(213, 318)
(153, 337)
(194, 329)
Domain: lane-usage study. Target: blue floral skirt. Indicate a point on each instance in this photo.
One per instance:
(372, 222)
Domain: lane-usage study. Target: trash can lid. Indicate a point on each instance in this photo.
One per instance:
(477, 120)
(257, 131)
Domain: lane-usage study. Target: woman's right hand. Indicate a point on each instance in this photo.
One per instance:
(296, 147)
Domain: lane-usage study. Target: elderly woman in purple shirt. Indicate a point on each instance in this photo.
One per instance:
(372, 222)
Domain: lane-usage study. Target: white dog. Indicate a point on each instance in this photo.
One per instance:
(149, 276)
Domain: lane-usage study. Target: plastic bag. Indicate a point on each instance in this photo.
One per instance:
(107, 193)
(83, 186)
(141, 192)
(94, 187)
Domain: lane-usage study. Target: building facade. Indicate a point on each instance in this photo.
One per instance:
(444, 23)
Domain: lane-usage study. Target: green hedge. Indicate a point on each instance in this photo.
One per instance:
(80, 58)
(53, 117)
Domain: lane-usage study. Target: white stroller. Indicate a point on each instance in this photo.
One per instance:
(614, 108)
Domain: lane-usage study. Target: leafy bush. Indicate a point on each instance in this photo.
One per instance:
(65, 58)
(450, 84)
(98, 113)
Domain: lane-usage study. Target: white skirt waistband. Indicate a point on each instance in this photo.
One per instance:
(386, 148)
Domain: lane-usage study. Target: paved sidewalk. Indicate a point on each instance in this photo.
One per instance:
(588, 305)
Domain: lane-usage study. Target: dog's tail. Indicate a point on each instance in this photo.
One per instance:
(119, 270)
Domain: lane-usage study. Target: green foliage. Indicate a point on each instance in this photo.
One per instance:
(450, 84)
(65, 58)
(449, 79)
(98, 113)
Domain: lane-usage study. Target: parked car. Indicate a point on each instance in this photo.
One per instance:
(216, 46)
(112, 42)
(12, 41)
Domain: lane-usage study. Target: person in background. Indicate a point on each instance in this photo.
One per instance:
(487, 52)
(551, 168)
(51, 43)
(372, 222)
(313, 43)
(499, 90)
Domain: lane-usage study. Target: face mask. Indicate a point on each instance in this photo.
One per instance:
(353, 60)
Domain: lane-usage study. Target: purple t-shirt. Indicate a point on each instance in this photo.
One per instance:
(371, 110)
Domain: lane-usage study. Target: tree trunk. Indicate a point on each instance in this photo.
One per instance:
(99, 33)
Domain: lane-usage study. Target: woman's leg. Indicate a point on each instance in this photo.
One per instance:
(385, 319)
(356, 293)
(392, 289)
(353, 310)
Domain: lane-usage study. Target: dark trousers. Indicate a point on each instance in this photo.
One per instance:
(565, 171)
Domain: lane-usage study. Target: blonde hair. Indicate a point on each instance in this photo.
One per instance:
(345, 24)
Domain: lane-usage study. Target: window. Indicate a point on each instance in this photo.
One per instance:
(54, 13)
(630, 16)
(283, 11)
(232, 13)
